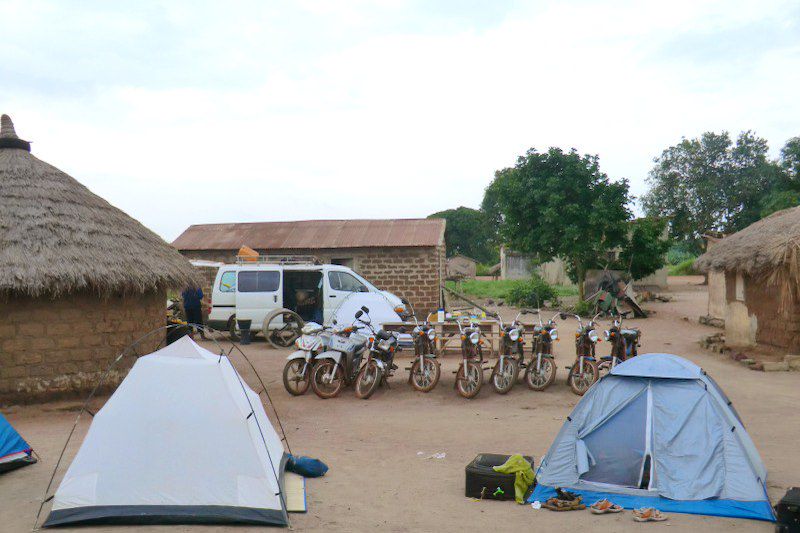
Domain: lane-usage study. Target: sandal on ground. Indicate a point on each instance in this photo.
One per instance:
(648, 515)
(605, 506)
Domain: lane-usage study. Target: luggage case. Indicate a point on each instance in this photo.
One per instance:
(486, 484)
(788, 511)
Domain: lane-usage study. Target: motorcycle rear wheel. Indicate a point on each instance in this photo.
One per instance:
(503, 383)
(295, 383)
(327, 390)
(542, 379)
(368, 380)
(425, 379)
(470, 385)
(580, 383)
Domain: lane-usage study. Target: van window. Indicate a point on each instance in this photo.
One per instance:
(227, 282)
(342, 281)
(259, 281)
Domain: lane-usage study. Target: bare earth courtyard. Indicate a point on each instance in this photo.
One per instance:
(379, 479)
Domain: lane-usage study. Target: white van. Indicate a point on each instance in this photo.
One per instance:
(265, 293)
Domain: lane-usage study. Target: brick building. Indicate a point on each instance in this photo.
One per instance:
(79, 280)
(404, 256)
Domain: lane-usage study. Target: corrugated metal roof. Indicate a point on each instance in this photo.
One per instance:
(313, 234)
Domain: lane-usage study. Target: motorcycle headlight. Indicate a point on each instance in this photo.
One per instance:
(513, 334)
(554, 334)
(607, 334)
(415, 331)
(431, 334)
(474, 337)
(593, 336)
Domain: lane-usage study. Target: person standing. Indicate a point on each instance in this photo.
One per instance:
(193, 305)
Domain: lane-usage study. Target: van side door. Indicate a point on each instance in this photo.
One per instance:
(258, 291)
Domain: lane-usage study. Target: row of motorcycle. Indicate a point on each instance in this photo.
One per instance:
(330, 358)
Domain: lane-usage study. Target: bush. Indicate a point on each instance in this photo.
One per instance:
(678, 254)
(532, 293)
(583, 308)
(482, 269)
(684, 268)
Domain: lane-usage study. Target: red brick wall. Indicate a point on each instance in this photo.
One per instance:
(414, 273)
(59, 348)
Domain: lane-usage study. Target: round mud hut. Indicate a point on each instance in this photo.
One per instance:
(754, 282)
(79, 280)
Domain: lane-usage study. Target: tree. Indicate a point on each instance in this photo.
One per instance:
(710, 184)
(559, 204)
(646, 247)
(786, 192)
(469, 232)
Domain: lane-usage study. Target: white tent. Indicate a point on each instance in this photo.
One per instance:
(182, 440)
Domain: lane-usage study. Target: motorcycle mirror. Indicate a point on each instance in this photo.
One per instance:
(359, 313)
(365, 308)
(563, 315)
(402, 329)
(334, 322)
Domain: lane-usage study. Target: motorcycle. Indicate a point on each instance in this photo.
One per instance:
(380, 358)
(541, 371)
(425, 371)
(338, 366)
(584, 373)
(313, 340)
(512, 354)
(469, 376)
(624, 343)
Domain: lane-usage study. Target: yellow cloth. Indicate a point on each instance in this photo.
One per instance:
(523, 472)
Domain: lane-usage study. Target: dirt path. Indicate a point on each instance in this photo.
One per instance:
(379, 479)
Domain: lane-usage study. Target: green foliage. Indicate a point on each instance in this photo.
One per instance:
(502, 288)
(711, 184)
(559, 204)
(532, 293)
(582, 308)
(644, 252)
(680, 252)
(684, 268)
(482, 269)
(777, 200)
(470, 233)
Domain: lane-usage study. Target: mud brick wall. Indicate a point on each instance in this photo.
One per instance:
(58, 348)
(414, 273)
(775, 326)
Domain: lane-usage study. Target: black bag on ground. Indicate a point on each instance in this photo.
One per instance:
(788, 510)
(486, 484)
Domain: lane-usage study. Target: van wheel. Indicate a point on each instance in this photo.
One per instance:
(233, 329)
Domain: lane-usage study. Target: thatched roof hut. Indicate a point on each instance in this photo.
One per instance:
(768, 249)
(57, 237)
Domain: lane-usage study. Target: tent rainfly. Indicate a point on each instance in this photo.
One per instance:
(14, 451)
(658, 432)
(182, 440)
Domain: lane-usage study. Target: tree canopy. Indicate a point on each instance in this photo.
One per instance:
(643, 253)
(469, 232)
(559, 204)
(711, 183)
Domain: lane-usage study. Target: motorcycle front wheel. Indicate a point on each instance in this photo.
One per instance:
(503, 381)
(579, 381)
(425, 377)
(469, 385)
(368, 380)
(539, 380)
(297, 377)
(324, 386)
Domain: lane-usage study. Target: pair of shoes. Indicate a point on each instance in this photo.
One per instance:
(604, 506)
(648, 514)
(556, 504)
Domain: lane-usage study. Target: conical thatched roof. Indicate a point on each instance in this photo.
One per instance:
(769, 248)
(57, 237)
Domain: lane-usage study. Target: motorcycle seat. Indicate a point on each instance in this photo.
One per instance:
(383, 335)
(630, 332)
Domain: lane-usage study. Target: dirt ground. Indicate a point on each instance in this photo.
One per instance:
(380, 474)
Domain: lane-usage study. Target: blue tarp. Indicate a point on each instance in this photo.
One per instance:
(760, 510)
(10, 441)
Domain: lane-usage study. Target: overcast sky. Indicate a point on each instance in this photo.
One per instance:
(186, 112)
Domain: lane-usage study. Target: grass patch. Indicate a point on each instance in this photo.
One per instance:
(684, 268)
(501, 289)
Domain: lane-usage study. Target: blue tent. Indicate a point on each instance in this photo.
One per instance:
(14, 451)
(657, 431)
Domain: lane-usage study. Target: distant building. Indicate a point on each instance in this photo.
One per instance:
(754, 281)
(404, 256)
(461, 267)
(79, 280)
